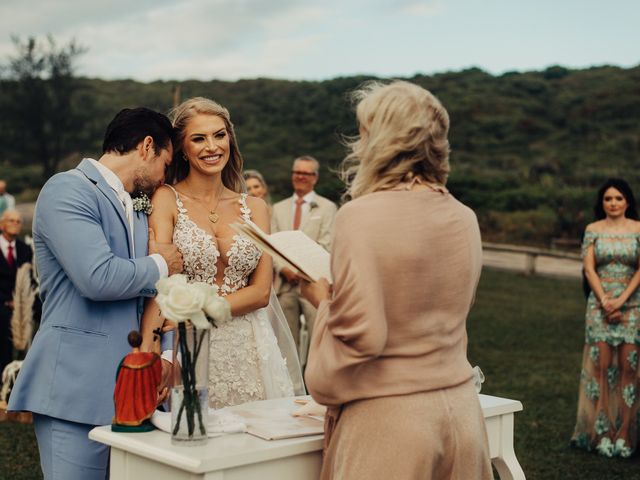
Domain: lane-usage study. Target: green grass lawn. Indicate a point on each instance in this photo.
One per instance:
(19, 459)
(527, 335)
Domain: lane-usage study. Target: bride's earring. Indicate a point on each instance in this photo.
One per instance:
(184, 157)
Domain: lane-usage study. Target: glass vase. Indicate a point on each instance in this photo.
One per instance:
(189, 393)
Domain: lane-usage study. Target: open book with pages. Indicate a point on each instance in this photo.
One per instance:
(292, 247)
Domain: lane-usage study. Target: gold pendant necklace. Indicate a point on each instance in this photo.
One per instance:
(213, 216)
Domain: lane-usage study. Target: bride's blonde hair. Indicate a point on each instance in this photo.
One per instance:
(403, 135)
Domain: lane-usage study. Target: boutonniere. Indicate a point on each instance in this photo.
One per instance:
(312, 205)
(141, 203)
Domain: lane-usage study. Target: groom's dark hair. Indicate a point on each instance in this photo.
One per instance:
(131, 125)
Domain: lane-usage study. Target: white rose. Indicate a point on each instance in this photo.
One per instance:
(164, 285)
(183, 302)
(217, 308)
(207, 290)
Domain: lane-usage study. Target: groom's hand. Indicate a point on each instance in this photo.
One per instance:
(169, 252)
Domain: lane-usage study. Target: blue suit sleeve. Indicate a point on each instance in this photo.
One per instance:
(68, 220)
(166, 343)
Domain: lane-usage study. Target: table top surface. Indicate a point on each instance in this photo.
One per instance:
(494, 406)
(238, 449)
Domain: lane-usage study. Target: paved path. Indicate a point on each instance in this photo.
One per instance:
(556, 267)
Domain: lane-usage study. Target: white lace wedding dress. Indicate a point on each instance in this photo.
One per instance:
(246, 361)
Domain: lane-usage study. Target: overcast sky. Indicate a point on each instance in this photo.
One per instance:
(231, 39)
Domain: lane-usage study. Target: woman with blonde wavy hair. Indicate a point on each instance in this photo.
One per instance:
(388, 353)
(252, 357)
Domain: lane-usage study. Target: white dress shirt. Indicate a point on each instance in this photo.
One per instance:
(4, 246)
(125, 198)
(308, 199)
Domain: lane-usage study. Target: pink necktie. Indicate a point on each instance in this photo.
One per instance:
(297, 216)
(10, 258)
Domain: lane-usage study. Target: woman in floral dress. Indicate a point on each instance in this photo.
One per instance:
(608, 399)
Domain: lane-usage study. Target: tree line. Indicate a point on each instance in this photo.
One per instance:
(529, 149)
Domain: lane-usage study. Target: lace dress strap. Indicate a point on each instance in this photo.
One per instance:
(244, 208)
(179, 203)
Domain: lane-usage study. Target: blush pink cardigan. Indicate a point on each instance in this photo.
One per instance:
(405, 266)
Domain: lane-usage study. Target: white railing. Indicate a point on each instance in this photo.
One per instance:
(570, 262)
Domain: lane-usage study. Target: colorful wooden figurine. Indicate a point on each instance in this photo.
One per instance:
(136, 392)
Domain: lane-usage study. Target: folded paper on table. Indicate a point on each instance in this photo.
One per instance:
(293, 247)
(219, 422)
(272, 424)
(279, 424)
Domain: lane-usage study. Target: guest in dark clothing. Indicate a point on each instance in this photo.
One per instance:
(14, 253)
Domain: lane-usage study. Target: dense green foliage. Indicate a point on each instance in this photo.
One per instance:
(528, 149)
(43, 104)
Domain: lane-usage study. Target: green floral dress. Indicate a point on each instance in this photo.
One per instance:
(603, 398)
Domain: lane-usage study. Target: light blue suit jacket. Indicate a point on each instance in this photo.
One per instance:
(91, 288)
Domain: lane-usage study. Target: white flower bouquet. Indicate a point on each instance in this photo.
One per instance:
(141, 203)
(194, 307)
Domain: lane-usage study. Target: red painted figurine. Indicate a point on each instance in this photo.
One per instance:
(136, 392)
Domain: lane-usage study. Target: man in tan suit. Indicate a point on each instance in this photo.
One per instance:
(307, 211)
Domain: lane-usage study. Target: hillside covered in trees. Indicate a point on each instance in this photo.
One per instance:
(528, 149)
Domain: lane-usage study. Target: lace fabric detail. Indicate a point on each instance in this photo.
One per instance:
(245, 363)
(200, 251)
(243, 258)
(234, 369)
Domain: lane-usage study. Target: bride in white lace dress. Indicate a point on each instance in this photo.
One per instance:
(252, 356)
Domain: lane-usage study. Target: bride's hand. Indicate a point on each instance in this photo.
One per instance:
(309, 407)
(315, 292)
(168, 326)
(163, 387)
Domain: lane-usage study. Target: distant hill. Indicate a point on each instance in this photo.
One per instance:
(529, 149)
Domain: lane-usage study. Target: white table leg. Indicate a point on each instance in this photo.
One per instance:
(506, 462)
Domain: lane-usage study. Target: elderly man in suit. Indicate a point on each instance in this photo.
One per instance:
(14, 253)
(91, 250)
(314, 215)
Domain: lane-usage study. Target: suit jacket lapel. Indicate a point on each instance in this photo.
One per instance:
(24, 252)
(305, 217)
(96, 178)
(312, 211)
(21, 254)
(141, 233)
(287, 220)
(141, 240)
(3, 260)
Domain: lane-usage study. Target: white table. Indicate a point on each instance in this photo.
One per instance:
(242, 456)
(498, 416)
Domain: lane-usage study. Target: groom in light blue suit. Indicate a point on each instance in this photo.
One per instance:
(91, 253)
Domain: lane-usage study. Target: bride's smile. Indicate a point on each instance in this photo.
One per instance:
(206, 145)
